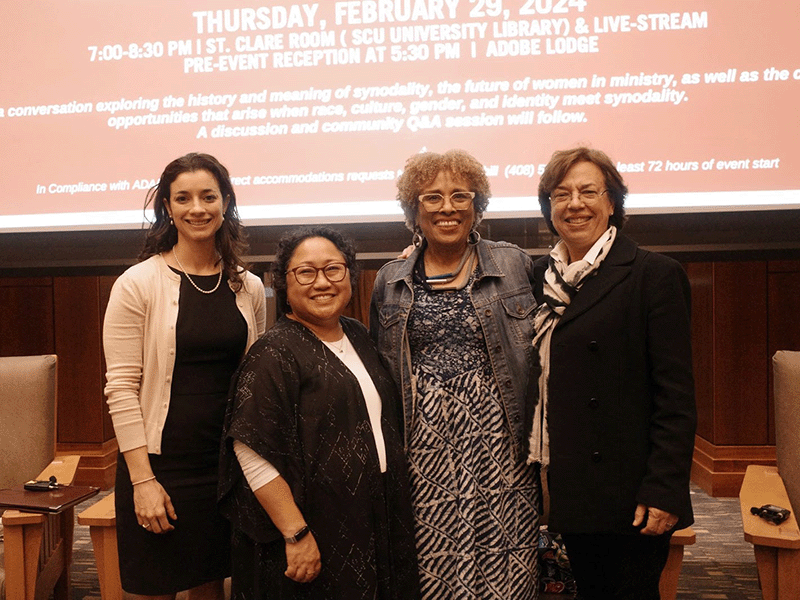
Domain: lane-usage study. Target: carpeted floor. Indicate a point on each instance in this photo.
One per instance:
(720, 566)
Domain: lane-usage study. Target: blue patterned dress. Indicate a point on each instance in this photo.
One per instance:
(475, 502)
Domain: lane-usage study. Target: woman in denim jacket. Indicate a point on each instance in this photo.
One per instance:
(454, 322)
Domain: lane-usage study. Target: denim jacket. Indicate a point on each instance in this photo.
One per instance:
(503, 299)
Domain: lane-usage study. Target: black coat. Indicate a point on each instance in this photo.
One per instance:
(621, 412)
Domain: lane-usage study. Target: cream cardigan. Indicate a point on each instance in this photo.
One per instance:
(139, 344)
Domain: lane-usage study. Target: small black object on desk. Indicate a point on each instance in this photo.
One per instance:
(771, 513)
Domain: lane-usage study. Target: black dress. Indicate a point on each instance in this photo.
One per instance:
(211, 335)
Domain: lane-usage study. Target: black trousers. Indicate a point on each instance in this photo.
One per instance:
(610, 566)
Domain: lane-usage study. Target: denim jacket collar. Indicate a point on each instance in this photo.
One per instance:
(487, 265)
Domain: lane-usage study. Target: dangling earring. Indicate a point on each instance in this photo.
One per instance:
(416, 241)
(171, 222)
(473, 238)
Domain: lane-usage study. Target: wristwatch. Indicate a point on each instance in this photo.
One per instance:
(301, 533)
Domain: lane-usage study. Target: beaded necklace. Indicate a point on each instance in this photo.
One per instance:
(185, 272)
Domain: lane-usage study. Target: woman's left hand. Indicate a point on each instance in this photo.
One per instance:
(658, 521)
(303, 560)
(153, 507)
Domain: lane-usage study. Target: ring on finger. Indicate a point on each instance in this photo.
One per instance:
(146, 525)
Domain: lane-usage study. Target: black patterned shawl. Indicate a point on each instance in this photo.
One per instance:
(296, 404)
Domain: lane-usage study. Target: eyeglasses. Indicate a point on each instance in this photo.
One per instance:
(585, 196)
(306, 275)
(459, 200)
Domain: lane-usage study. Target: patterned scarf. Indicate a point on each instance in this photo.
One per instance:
(562, 280)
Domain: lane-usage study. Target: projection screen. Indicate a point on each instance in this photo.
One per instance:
(315, 106)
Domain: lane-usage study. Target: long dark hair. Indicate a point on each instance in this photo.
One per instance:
(230, 239)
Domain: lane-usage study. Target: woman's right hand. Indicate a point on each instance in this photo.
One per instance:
(303, 560)
(153, 507)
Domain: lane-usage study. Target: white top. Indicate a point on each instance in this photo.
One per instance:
(139, 344)
(258, 471)
(345, 352)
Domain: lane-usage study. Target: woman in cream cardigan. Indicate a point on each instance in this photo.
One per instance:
(176, 327)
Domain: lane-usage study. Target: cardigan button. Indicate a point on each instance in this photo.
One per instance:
(488, 312)
(594, 403)
(596, 457)
(594, 346)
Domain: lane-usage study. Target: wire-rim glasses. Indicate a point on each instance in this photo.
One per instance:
(588, 196)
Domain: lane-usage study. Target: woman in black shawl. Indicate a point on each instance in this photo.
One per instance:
(313, 475)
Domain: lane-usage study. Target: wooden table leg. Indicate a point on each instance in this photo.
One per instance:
(668, 585)
(23, 539)
(788, 573)
(104, 542)
(63, 586)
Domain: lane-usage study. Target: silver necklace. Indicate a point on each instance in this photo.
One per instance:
(450, 277)
(185, 272)
(341, 346)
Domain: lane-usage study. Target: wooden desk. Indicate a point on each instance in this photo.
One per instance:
(777, 547)
(38, 547)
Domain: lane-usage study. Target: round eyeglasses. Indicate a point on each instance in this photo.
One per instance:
(306, 274)
(459, 200)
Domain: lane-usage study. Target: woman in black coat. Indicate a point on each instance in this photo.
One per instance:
(615, 429)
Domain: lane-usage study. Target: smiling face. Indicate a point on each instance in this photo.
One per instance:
(196, 206)
(318, 305)
(446, 228)
(580, 223)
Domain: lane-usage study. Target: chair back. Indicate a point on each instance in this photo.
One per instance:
(27, 416)
(786, 380)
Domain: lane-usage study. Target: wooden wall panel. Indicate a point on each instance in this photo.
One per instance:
(742, 312)
(701, 281)
(740, 352)
(362, 294)
(784, 306)
(26, 316)
(783, 299)
(105, 284)
(80, 374)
